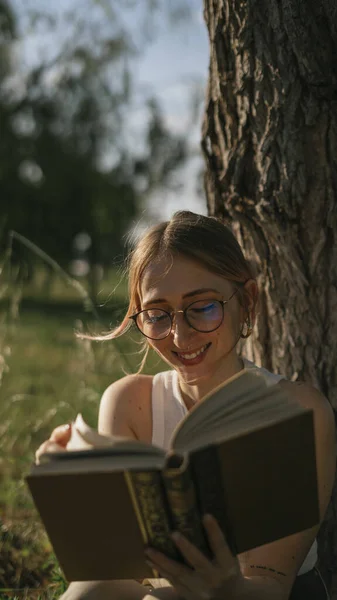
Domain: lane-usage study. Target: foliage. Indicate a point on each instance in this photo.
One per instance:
(65, 164)
(48, 376)
(65, 168)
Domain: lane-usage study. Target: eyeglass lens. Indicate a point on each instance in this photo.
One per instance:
(203, 315)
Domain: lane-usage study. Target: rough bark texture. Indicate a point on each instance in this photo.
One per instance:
(270, 144)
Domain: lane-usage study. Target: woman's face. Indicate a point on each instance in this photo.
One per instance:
(195, 355)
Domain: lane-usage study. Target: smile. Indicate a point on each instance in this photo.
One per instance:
(192, 355)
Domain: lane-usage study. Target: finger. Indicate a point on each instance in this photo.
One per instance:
(170, 566)
(47, 446)
(188, 586)
(220, 548)
(61, 435)
(192, 555)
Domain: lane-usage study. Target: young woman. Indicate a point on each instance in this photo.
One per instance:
(193, 296)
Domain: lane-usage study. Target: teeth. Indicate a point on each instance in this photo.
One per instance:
(194, 355)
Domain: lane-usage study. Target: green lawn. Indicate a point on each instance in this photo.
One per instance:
(47, 376)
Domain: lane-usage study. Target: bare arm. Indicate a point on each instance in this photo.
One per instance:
(125, 408)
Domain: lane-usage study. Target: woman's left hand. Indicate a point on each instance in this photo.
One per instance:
(219, 579)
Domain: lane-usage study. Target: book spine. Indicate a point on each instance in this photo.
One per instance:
(181, 496)
(150, 505)
(210, 489)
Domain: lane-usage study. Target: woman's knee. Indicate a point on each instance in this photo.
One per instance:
(104, 590)
(86, 590)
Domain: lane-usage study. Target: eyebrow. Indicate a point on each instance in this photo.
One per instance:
(188, 295)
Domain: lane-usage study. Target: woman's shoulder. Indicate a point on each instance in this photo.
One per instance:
(126, 406)
(308, 396)
(130, 391)
(304, 393)
(129, 384)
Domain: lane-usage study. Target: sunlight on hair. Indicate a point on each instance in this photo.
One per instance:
(203, 239)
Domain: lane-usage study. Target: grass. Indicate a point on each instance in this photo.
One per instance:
(47, 376)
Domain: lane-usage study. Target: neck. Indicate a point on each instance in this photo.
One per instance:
(193, 393)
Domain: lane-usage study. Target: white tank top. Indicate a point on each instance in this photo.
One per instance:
(168, 409)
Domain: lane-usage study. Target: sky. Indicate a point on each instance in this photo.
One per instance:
(173, 66)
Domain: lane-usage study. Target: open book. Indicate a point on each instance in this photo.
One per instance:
(245, 453)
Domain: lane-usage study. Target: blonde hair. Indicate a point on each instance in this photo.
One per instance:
(203, 239)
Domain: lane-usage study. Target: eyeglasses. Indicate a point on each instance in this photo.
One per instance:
(204, 316)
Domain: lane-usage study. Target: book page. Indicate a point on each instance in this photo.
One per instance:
(221, 399)
(86, 441)
(84, 437)
(243, 402)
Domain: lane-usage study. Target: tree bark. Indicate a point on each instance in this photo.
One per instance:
(270, 144)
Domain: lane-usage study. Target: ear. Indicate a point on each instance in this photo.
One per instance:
(251, 296)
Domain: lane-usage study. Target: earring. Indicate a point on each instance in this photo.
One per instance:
(248, 330)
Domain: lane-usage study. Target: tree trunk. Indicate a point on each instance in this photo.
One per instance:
(270, 144)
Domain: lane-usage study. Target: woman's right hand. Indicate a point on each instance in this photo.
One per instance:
(57, 442)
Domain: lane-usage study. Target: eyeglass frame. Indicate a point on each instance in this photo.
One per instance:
(183, 311)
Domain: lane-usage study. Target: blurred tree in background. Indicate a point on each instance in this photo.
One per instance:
(66, 163)
(75, 175)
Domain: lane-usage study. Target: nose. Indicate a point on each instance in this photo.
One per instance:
(182, 332)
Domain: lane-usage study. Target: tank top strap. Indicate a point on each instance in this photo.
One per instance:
(158, 387)
(168, 407)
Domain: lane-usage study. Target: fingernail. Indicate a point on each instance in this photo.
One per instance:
(149, 552)
(176, 536)
(66, 427)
